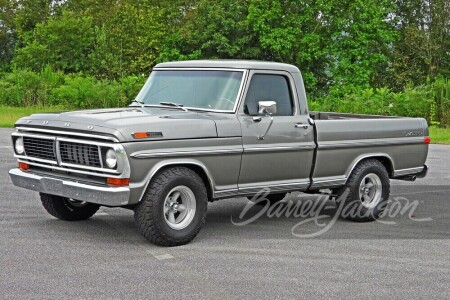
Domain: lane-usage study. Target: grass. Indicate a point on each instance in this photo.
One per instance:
(9, 115)
(440, 135)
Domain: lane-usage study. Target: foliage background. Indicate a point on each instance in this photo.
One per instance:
(381, 57)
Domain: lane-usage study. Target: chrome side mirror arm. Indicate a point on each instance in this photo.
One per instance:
(261, 137)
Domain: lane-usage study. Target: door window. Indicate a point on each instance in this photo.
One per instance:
(265, 87)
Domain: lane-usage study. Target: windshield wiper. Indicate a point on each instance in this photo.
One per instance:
(141, 104)
(172, 104)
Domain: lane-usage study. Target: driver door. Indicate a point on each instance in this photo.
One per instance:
(282, 160)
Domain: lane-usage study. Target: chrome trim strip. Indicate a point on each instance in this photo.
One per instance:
(52, 162)
(408, 171)
(86, 135)
(197, 69)
(57, 152)
(279, 148)
(163, 164)
(370, 142)
(105, 195)
(329, 182)
(185, 153)
(370, 155)
(104, 170)
(78, 141)
(225, 193)
(55, 167)
(100, 157)
(284, 73)
(282, 187)
(38, 136)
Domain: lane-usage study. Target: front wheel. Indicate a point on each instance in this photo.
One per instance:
(173, 209)
(366, 193)
(68, 209)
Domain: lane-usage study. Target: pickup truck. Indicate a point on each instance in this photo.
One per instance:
(200, 131)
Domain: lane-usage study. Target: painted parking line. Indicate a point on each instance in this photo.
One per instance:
(160, 255)
(163, 256)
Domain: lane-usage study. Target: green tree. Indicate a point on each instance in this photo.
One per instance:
(63, 42)
(333, 42)
(423, 49)
(360, 36)
(217, 29)
(7, 34)
(292, 32)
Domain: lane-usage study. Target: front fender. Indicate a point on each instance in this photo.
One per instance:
(139, 188)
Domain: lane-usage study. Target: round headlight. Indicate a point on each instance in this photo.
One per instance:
(18, 145)
(111, 158)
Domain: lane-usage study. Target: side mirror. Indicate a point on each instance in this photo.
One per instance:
(267, 107)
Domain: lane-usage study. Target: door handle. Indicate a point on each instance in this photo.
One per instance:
(301, 125)
(256, 119)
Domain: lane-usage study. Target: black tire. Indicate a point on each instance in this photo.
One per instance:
(67, 210)
(356, 207)
(273, 198)
(150, 215)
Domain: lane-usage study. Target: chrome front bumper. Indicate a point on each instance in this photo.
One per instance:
(110, 196)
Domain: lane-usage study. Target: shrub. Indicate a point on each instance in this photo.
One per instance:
(430, 101)
(78, 91)
(27, 88)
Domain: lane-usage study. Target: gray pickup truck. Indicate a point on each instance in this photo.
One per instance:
(200, 131)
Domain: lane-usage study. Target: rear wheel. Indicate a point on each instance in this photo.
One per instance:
(173, 209)
(68, 209)
(366, 192)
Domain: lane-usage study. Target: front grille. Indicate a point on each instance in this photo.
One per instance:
(80, 154)
(39, 148)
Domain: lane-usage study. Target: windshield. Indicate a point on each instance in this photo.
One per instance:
(204, 89)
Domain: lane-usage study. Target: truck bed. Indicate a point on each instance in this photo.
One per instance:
(345, 139)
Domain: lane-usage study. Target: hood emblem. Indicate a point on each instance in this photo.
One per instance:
(90, 127)
(67, 124)
(45, 122)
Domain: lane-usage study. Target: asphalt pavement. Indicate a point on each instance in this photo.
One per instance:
(286, 256)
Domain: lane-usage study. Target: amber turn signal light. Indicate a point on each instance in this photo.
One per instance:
(140, 135)
(23, 166)
(427, 140)
(118, 181)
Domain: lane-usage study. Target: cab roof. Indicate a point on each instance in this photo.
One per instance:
(230, 64)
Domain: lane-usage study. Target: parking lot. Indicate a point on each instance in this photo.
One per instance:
(408, 256)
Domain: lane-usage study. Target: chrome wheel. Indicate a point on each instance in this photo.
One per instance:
(179, 207)
(370, 190)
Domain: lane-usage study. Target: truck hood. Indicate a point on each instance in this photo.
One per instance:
(123, 122)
